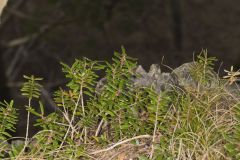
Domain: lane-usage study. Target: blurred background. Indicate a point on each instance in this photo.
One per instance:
(36, 35)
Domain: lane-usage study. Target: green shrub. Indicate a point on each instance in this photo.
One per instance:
(173, 124)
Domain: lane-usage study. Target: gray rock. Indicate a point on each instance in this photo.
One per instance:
(180, 78)
(154, 78)
(183, 75)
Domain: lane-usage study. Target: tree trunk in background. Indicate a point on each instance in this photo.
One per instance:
(4, 90)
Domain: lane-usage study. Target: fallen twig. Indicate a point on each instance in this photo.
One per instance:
(120, 143)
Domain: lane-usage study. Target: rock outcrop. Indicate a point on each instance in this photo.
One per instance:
(181, 77)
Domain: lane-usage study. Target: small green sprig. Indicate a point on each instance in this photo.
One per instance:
(202, 71)
(30, 89)
(8, 119)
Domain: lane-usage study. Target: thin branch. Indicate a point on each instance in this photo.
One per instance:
(155, 127)
(99, 128)
(25, 44)
(120, 143)
(27, 131)
(22, 15)
(21, 40)
(34, 36)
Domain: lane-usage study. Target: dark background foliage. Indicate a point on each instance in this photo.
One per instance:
(36, 35)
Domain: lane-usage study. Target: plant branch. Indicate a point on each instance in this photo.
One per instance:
(155, 128)
(120, 143)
